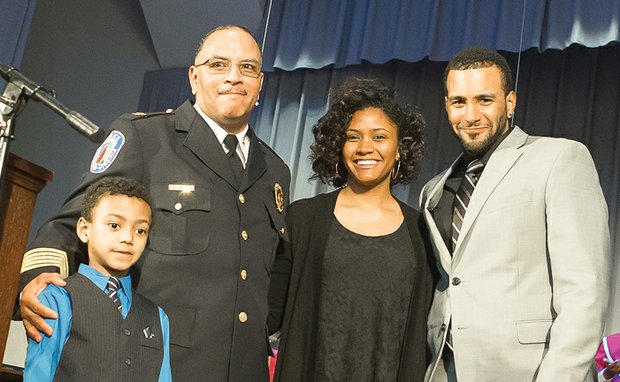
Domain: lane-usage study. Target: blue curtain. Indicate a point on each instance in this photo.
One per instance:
(315, 34)
(15, 21)
(571, 93)
(564, 88)
(164, 89)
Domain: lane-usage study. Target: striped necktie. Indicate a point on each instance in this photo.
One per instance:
(113, 286)
(462, 197)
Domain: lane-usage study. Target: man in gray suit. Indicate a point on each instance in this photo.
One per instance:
(519, 229)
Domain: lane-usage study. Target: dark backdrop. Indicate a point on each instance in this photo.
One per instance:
(570, 93)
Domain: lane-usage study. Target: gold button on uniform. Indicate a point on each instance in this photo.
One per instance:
(178, 206)
(244, 235)
(244, 274)
(281, 231)
(241, 198)
(243, 317)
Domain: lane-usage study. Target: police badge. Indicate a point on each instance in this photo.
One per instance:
(279, 196)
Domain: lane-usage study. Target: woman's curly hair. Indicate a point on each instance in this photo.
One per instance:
(330, 131)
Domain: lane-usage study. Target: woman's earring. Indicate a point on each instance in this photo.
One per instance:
(337, 173)
(393, 173)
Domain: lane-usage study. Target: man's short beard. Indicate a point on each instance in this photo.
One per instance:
(476, 149)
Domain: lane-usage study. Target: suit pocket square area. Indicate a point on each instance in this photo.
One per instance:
(533, 331)
(151, 338)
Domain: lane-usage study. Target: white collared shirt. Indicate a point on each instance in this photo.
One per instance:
(243, 148)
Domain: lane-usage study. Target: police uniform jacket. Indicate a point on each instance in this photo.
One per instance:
(211, 245)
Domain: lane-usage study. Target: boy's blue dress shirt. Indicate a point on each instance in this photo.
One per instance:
(42, 358)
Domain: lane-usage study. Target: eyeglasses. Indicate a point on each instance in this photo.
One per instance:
(222, 66)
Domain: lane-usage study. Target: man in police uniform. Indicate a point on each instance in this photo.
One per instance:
(216, 233)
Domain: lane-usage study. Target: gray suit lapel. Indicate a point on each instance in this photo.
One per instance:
(500, 163)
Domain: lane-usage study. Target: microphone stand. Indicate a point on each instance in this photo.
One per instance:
(18, 90)
(12, 102)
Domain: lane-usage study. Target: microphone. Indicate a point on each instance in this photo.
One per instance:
(39, 94)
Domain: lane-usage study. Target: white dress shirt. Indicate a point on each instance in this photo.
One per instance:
(243, 148)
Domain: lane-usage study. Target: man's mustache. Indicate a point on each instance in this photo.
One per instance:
(232, 90)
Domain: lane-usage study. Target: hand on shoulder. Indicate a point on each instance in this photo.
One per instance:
(33, 312)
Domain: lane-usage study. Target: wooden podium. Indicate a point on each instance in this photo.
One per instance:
(24, 180)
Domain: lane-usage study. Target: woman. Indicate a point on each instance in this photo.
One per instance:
(360, 281)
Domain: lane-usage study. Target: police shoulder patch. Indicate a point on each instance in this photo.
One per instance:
(107, 152)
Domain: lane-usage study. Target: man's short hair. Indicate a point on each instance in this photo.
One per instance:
(479, 57)
(112, 185)
(221, 28)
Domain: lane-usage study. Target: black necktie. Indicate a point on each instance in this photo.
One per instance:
(235, 162)
(462, 197)
(113, 286)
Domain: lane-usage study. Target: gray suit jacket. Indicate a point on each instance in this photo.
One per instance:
(526, 289)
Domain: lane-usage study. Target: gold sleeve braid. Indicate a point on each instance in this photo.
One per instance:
(46, 257)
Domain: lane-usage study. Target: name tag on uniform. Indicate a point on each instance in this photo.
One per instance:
(181, 187)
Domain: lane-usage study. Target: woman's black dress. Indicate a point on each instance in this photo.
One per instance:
(365, 294)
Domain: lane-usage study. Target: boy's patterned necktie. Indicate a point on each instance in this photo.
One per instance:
(113, 285)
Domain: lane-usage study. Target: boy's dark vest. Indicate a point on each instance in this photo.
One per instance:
(104, 347)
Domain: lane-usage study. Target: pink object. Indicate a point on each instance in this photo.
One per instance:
(609, 348)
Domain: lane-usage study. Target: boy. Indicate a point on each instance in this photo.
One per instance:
(104, 331)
